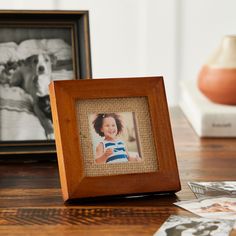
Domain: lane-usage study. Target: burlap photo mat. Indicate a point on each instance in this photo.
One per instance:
(139, 106)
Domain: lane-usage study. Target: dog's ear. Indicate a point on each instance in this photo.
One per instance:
(31, 60)
(53, 59)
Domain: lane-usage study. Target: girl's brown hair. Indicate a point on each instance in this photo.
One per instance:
(98, 122)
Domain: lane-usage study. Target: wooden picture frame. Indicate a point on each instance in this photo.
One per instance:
(24, 34)
(73, 103)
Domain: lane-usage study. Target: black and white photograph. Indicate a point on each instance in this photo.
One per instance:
(217, 188)
(187, 226)
(218, 207)
(30, 58)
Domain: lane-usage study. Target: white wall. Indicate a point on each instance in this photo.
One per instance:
(115, 31)
(17, 4)
(131, 38)
(162, 40)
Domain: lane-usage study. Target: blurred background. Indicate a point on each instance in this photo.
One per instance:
(172, 38)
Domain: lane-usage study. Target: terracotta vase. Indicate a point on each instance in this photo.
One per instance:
(217, 78)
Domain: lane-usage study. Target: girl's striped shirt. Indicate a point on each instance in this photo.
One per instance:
(119, 152)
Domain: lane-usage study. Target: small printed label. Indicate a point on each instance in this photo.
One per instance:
(221, 125)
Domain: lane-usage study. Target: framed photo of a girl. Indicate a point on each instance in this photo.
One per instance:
(113, 137)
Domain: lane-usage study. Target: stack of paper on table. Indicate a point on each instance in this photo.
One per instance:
(216, 206)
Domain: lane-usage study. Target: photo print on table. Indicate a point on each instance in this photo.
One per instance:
(190, 226)
(219, 207)
(217, 188)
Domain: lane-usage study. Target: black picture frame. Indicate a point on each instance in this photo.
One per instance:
(75, 22)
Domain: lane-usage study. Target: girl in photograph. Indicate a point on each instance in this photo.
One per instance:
(111, 149)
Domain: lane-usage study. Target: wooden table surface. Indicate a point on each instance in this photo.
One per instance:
(31, 201)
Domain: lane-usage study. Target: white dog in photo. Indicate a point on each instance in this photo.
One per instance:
(34, 76)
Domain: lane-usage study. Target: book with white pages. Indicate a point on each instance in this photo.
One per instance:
(208, 119)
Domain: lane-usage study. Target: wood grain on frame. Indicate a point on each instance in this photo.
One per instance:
(64, 96)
